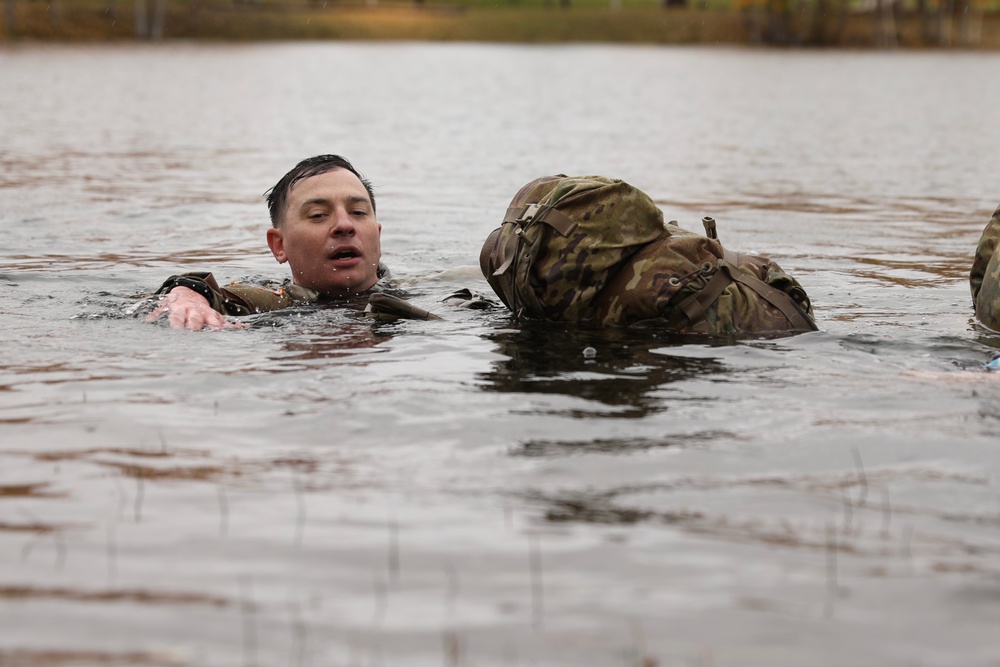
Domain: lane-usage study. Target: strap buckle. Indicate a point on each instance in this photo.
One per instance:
(529, 213)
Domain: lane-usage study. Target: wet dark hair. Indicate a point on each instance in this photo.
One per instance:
(277, 196)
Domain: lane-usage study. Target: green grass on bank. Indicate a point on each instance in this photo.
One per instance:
(515, 21)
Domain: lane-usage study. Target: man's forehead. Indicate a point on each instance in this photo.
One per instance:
(336, 181)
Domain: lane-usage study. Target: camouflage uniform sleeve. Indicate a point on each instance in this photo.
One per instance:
(234, 299)
(984, 252)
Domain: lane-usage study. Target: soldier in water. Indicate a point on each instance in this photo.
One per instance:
(323, 225)
(984, 279)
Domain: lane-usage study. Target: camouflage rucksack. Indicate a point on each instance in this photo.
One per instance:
(595, 250)
(562, 239)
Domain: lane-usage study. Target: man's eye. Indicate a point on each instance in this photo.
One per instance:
(318, 215)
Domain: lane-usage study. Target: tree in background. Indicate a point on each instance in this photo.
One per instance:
(8, 16)
(823, 22)
(150, 18)
(887, 33)
(950, 22)
(139, 14)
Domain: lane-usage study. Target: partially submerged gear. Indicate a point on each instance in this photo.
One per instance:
(466, 298)
(390, 308)
(592, 249)
(984, 277)
(237, 299)
(561, 241)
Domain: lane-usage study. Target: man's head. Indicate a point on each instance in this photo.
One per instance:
(323, 224)
(277, 197)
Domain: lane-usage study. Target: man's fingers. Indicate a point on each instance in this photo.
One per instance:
(213, 318)
(177, 317)
(182, 314)
(185, 318)
(195, 320)
(156, 313)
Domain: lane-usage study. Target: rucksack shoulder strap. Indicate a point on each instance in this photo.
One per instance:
(557, 220)
(521, 216)
(694, 306)
(775, 297)
(729, 271)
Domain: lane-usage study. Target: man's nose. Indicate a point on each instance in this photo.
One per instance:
(343, 224)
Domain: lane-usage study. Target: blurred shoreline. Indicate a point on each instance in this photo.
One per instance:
(823, 25)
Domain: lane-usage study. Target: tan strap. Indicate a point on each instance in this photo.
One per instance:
(488, 249)
(775, 297)
(519, 216)
(508, 252)
(514, 214)
(557, 220)
(694, 306)
(729, 271)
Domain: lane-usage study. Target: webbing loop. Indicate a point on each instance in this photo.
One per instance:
(728, 272)
(545, 213)
(775, 297)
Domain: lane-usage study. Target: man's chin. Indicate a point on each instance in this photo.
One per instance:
(344, 289)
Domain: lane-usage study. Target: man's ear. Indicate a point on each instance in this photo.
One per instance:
(276, 242)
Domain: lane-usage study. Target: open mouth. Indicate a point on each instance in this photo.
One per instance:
(345, 253)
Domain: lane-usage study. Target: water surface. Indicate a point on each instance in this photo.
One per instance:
(321, 489)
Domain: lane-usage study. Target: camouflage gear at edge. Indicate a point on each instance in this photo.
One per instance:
(984, 278)
(605, 257)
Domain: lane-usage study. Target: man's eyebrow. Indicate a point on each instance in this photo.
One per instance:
(358, 199)
(324, 201)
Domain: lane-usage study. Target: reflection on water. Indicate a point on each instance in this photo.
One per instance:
(338, 344)
(323, 489)
(618, 369)
(547, 448)
(134, 596)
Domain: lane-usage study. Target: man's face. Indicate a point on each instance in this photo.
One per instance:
(329, 235)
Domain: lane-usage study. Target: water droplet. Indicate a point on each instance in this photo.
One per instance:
(589, 353)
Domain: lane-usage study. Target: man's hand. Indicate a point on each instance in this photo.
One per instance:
(186, 309)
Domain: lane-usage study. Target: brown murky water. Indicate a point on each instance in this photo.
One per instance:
(324, 490)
